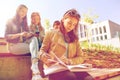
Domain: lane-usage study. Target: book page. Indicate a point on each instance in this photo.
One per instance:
(61, 66)
(79, 67)
(55, 68)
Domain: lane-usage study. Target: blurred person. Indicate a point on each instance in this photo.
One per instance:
(20, 40)
(17, 32)
(39, 32)
(56, 25)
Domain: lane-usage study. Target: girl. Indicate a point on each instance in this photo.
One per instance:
(39, 33)
(66, 46)
(20, 39)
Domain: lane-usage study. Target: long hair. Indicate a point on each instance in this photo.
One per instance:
(16, 18)
(73, 34)
(39, 24)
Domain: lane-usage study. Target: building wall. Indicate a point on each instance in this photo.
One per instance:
(100, 32)
(114, 42)
(114, 28)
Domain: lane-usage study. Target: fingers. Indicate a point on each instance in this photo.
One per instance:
(65, 60)
(47, 56)
(50, 62)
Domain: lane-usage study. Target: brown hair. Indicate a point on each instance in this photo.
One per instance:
(35, 14)
(17, 18)
(39, 24)
(73, 13)
(56, 23)
(72, 35)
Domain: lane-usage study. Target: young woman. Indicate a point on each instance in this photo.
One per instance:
(66, 46)
(36, 26)
(39, 32)
(20, 39)
(17, 32)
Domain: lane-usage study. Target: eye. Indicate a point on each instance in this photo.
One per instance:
(69, 22)
(74, 24)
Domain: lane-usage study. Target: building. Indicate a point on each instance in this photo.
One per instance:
(106, 33)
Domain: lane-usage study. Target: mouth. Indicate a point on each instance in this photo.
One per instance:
(68, 29)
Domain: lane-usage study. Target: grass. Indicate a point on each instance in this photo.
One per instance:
(99, 47)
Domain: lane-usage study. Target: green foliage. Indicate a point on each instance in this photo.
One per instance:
(89, 18)
(47, 24)
(100, 47)
(84, 44)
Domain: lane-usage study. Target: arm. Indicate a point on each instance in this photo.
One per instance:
(10, 32)
(43, 53)
(42, 34)
(79, 58)
(13, 35)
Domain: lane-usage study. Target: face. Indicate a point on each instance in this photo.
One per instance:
(56, 26)
(36, 19)
(22, 12)
(69, 23)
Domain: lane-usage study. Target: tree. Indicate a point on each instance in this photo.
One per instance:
(89, 18)
(47, 24)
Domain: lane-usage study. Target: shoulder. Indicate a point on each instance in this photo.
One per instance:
(9, 22)
(52, 33)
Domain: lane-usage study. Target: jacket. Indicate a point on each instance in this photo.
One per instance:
(54, 43)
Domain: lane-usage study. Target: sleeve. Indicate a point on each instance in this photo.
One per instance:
(79, 58)
(7, 29)
(31, 28)
(42, 34)
(45, 45)
(9, 34)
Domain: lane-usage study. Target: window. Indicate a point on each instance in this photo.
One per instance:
(92, 31)
(96, 30)
(81, 29)
(101, 37)
(105, 36)
(85, 33)
(104, 29)
(97, 38)
(81, 35)
(93, 39)
(100, 30)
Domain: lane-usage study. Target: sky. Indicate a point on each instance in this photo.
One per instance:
(54, 9)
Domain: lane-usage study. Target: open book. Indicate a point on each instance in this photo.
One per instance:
(79, 67)
(74, 68)
(60, 66)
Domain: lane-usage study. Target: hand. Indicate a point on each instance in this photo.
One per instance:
(47, 59)
(24, 34)
(66, 60)
(29, 35)
(50, 62)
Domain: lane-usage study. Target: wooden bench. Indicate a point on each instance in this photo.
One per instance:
(13, 67)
